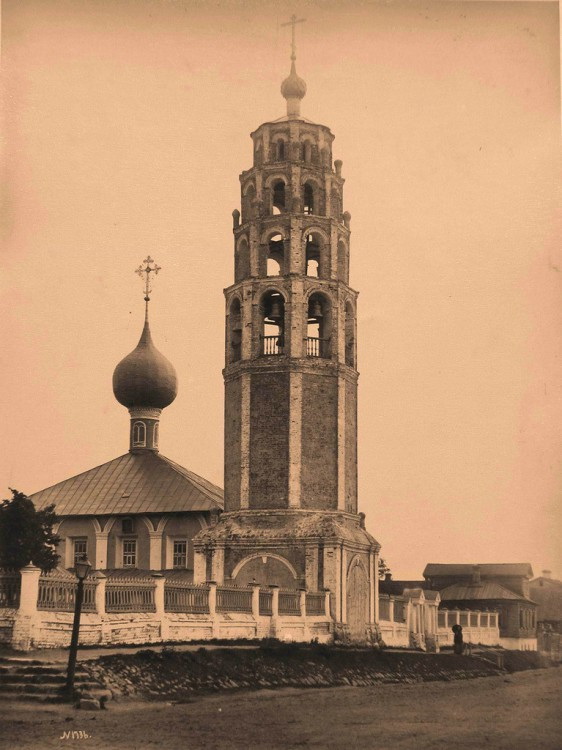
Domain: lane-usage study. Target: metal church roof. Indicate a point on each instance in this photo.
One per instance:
(144, 482)
(483, 591)
(486, 569)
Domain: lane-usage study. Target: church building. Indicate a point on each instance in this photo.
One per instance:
(291, 517)
(141, 510)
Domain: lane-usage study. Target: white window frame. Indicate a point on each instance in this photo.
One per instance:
(174, 542)
(140, 441)
(128, 540)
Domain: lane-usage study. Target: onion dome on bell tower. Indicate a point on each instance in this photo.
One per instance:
(145, 381)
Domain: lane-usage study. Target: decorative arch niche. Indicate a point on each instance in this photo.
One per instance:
(266, 569)
(235, 331)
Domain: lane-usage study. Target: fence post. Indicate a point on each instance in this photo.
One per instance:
(274, 610)
(302, 607)
(213, 608)
(22, 633)
(100, 592)
(327, 612)
(160, 605)
(255, 600)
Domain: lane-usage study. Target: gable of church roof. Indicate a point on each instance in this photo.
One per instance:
(133, 483)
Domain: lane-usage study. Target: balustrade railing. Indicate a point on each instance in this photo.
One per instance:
(233, 599)
(10, 584)
(315, 604)
(289, 603)
(315, 346)
(266, 598)
(273, 345)
(59, 594)
(129, 595)
(179, 597)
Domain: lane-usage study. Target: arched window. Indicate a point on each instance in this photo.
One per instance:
(273, 318)
(314, 256)
(318, 326)
(275, 256)
(335, 207)
(155, 434)
(349, 335)
(306, 151)
(258, 154)
(280, 151)
(139, 435)
(308, 198)
(235, 328)
(278, 197)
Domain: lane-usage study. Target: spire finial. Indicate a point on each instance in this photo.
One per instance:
(293, 88)
(145, 271)
(293, 22)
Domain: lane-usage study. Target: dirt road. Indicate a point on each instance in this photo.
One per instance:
(514, 712)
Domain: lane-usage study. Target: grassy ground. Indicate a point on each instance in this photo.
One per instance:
(507, 712)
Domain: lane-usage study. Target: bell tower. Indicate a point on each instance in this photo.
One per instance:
(291, 515)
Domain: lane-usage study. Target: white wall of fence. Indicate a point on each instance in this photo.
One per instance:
(36, 611)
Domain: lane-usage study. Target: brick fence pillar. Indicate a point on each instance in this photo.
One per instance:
(274, 610)
(160, 605)
(22, 633)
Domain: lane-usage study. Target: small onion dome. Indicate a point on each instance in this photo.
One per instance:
(145, 378)
(293, 87)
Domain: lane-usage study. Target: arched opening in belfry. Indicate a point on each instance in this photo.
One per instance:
(275, 256)
(306, 151)
(349, 335)
(314, 255)
(248, 199)
(318, 326)
(343, 262)
(235, 330)
(278, 197)
(258, 151)
(273, 319)
(242, 260)
(280, 150)
(308, 198)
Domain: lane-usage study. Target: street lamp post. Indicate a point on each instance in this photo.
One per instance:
(82, 568)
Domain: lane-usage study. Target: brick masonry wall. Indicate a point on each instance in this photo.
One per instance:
(232, 405)
(319, 442)
(269, 440)
(351, 447)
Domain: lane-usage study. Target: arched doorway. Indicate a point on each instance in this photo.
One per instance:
(357, 601)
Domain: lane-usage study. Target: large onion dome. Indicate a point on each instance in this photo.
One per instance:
(145, 378)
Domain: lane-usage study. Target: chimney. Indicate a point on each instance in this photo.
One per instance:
(388, 576)
(476, 575)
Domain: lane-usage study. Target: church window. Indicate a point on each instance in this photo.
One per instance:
(273, 311)
(278, 197)
(129, 553)
(280, 150)
(248, 199)
(336, 205)
(80, 548)
(306, 151)
(139, 435)
(343, 265)
(308, 198)
(179, 559)
(155, 434)
(317, 341)
(349, 335)
(275, 256)
(242, 261)
(127, 526)
(235, 325)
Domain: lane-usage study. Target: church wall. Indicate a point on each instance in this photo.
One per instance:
(351, 447)
(179, 527)
(114, 545)
(71, 528)
(232, 447)
(319, 442)
(269, 440)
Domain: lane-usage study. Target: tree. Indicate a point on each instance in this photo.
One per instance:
(26, 534)
(383, 568)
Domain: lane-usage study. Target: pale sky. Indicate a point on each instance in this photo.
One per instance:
(127, 124)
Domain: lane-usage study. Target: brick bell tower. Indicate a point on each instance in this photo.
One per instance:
(290, 377)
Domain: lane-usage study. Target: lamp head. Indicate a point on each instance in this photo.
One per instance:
(82, 567)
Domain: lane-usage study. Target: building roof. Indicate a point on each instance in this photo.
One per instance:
(487, 590)
(390, 586)
(144, 482)
(486, 569)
